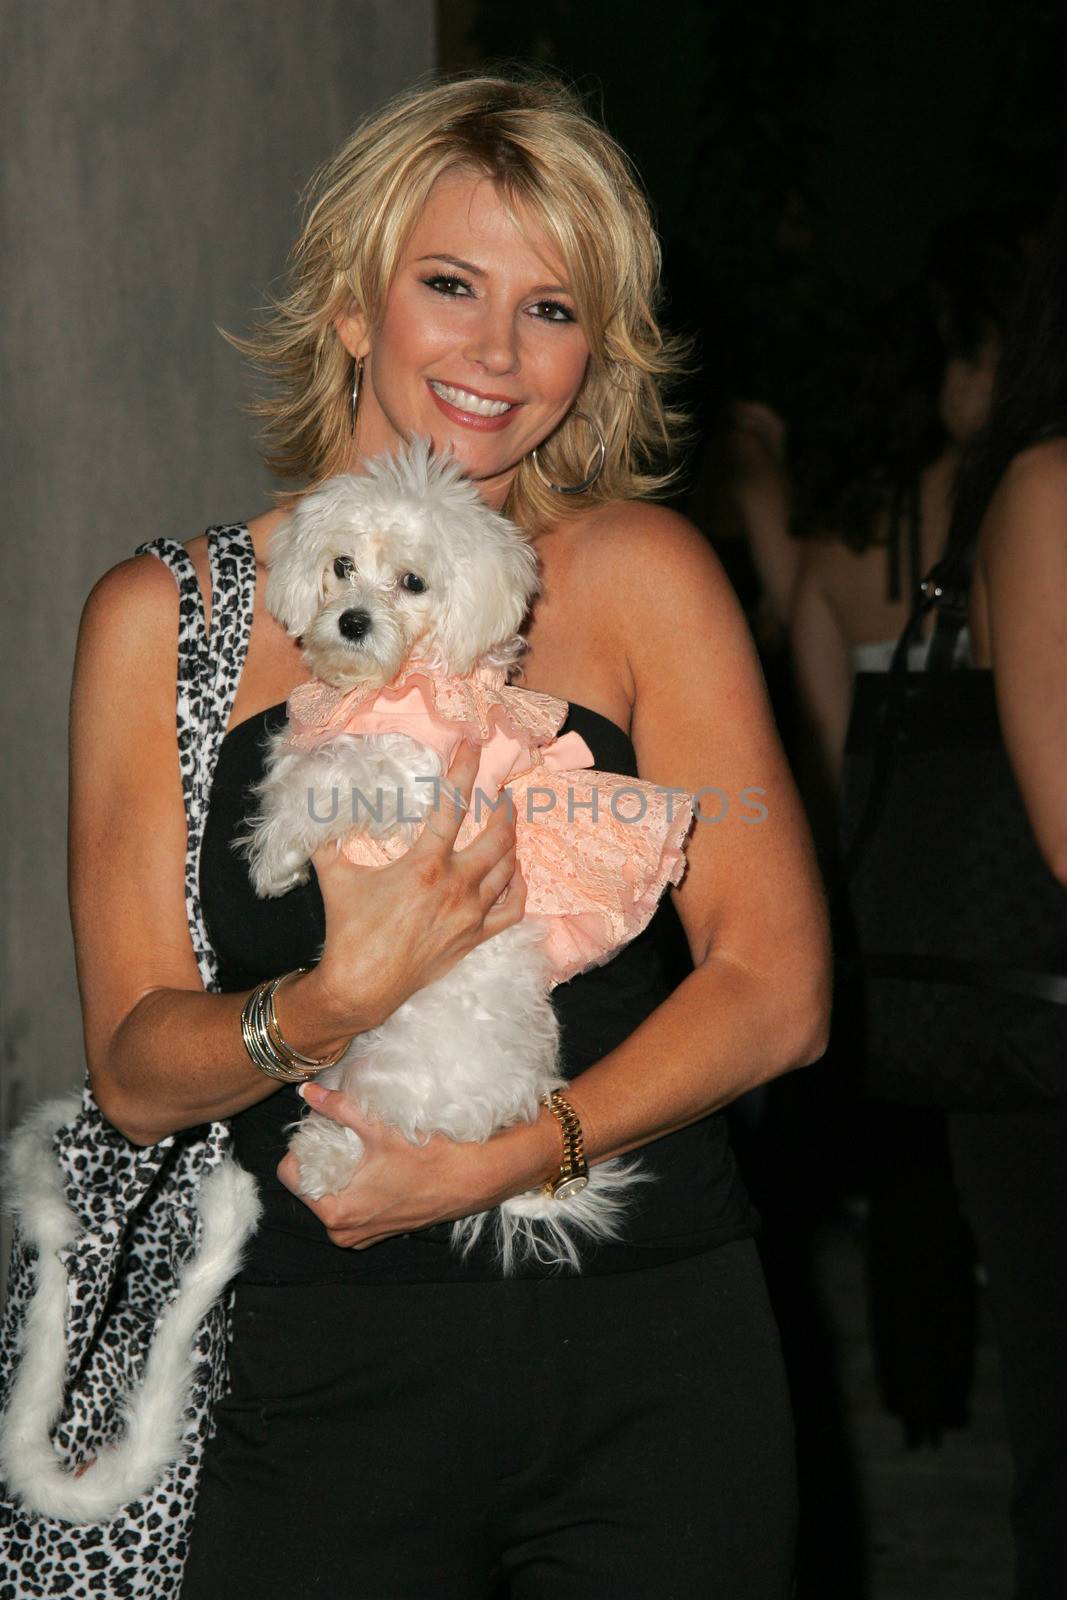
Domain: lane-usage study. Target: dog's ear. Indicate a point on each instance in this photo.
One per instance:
(294, 585)
(298, 553)
(492, 582)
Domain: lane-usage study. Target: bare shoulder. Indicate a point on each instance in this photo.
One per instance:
(672, 611)
(122, 692)
(637, 524)
(1034, 481)
(636, 549)
(1043, 465)
(1026, 520)
(128, 637)
(137, 601)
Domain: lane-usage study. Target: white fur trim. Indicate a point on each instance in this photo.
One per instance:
(154, 1410)
(536, 1227)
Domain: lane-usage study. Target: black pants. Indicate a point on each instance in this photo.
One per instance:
(920, 1274)
(624, 1436)
(1011, 1168)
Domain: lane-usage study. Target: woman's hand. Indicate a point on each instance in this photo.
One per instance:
(400, 1187)
(391, 931)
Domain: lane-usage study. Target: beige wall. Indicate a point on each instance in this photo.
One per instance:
(152, 159)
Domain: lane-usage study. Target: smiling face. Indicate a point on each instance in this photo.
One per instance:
(478, 347)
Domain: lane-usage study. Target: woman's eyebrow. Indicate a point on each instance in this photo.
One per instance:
(454, 261)
(479, 272)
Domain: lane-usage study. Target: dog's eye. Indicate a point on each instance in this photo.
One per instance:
(343, 566)
(413, 583)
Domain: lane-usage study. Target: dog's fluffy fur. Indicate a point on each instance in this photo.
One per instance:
(475, 1051)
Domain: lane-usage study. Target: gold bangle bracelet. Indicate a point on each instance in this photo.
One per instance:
(265, 1043)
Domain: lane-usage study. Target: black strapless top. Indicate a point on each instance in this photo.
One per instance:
(697, 1201)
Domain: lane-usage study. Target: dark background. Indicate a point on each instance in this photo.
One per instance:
(800, 153)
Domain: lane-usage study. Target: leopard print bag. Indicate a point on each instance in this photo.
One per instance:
(113, 1343)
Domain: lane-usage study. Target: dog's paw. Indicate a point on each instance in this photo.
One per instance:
(327, 1157)
(274, 878)
(323, 1174)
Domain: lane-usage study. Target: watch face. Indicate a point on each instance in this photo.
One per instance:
(569, 1188)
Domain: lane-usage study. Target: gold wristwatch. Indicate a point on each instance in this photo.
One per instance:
(573, 1174)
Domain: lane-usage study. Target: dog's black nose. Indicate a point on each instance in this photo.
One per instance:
(354, 623)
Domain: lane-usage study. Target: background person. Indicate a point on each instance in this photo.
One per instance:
(1009, 1165)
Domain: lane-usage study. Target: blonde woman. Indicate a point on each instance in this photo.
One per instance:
(478, 266)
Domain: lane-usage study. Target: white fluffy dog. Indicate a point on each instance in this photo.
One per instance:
(371, 572)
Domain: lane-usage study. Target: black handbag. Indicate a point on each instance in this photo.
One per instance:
(951, 930)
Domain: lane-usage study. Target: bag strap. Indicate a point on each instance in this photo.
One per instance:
(946, 591)
(950, 583)
(209, 670)
(905, 505)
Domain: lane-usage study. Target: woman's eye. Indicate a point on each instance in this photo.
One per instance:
(343, 567)
(553, 311)
(445, 283)
(413, 583)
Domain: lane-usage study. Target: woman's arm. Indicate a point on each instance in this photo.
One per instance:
(823, 670)
(163, 1055)
(1021, 571)
(751, 902)
(762, 491)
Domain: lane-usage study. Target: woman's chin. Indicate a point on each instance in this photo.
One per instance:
(481, 458)
(493, 475)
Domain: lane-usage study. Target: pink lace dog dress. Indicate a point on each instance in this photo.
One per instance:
(596, 849)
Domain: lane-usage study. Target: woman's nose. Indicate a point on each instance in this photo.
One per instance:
(493, 343)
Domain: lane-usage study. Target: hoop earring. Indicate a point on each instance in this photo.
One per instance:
(357, 380)
(586, 483)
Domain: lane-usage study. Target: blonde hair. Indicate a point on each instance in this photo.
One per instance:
(533, 138)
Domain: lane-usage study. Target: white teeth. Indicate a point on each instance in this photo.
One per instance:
(463, 400)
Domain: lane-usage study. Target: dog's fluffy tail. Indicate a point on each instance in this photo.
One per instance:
(535, 1227)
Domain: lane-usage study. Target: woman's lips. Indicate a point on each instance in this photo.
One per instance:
(468, 419)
